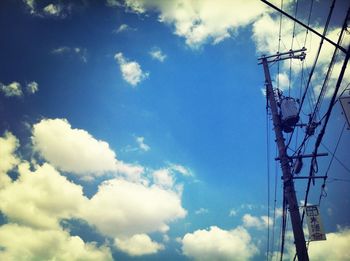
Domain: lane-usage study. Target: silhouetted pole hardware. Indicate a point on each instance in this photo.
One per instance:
(279, 122)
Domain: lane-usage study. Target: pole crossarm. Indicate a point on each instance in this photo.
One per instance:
(284, 56)
(304, 25)
(305, 156)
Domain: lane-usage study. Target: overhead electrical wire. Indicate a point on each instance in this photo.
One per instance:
(327, 116)
(330, 164)
(313, 68)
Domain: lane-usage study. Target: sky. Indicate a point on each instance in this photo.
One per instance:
(137, 129)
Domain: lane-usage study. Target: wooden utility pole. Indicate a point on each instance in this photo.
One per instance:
(288, 184)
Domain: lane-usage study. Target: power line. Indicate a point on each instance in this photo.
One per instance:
(330, 164)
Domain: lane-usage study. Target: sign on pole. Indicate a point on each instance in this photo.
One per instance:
(345, 104)
(314, 223)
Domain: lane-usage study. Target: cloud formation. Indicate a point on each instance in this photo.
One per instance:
(13, 89)
(219, 244)
(157, 54)
(41, 197)
(25, 243)
(131, 70)
(32, 87)
(250, 221)
(79, 52)
(138, 245)
(203, 21)
(142, 145)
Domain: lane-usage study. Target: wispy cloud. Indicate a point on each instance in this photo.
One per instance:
(50, 10)
(157, 54)
(131, 70)
(32, 87)
(124, 28)
(201, 211)
(79, 52)
(141, 143)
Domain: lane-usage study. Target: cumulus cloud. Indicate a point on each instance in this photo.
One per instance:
(163, 178)
(124, 208)
(52, 9)
(201, 21)
(131, 70)
(138, 245)
(142, 145)
(32, 87)
(40, 198)
(250, 221)
(13, 89)
(336, 247)
(76, 151)
(8, 146)
(219, 244)
(72, 150)
(25, 243)
(157, 54)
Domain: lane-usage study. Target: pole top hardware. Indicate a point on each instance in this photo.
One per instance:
(284, 56)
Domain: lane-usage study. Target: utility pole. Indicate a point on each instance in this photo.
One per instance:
(288, 183)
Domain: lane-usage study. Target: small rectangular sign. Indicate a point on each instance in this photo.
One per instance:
(345, 104)
(314, 223)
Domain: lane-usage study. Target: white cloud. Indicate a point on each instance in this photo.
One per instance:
(8, 146)
(79, 52)
(31, 5)
(123, 208)
(335, 248)
(283, 81)
(123, 28)
(24, 243)
(52, 9)
(201, 211)
(72, 150)
(180, 169)
(142, 145)
(202, 21)
(156, 53)
(163, 178)
(13, 89)
(232, 213)
(113, 3)
(62, 49)
(32, 87)
(138, 245)
(255, 222)
(41, 198)
(219, 244)
(76, 151)
(131, 71)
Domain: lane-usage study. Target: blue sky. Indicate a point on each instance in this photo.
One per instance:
(136, 129)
